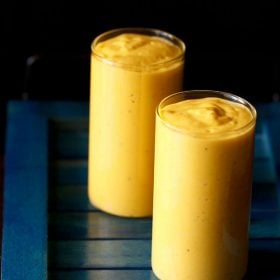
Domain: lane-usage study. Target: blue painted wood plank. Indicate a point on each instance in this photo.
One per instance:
(265, 224)
(103, 275)
(97, 225)
(260, 148)
(26, 142)
(270, 112)
(24, 245)
(264, 163)
(112, 256)
(265, 189)
(93, 254)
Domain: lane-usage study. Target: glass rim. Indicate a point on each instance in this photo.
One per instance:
(196, 93)
(139, 30)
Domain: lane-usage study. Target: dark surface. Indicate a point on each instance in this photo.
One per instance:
(77, 241)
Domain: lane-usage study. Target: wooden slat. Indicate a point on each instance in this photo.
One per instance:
(26, 137)
(115, 255)
(265, 224)
(103, 275)
(261, 252)
(24, 245)
(109, 254)
(271, 113)
(264, 163)
(97, 225)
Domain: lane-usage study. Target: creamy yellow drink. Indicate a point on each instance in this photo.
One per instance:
(202, 191)
(131, 71)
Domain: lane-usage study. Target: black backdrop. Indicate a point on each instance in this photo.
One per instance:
(45, 45)
(230, 47)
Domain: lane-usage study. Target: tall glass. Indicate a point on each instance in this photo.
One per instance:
(124, 92)
(202, 188)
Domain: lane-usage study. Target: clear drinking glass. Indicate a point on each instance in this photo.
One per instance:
(124, 93)
(202, 190)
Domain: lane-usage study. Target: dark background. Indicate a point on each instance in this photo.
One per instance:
(45, 45)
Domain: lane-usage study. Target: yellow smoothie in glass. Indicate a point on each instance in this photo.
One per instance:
(131, 71)
(202, 190)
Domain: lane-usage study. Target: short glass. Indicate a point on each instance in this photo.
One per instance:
(123, 99)
(202, 196)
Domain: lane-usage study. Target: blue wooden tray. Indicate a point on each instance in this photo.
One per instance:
(50, 231)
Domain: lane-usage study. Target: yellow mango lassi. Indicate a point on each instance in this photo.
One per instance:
(132, 69)
(202, 186)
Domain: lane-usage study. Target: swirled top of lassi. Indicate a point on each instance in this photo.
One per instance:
(137, 49)
(207, 115)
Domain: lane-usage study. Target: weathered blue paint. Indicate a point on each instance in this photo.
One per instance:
(50, 230)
